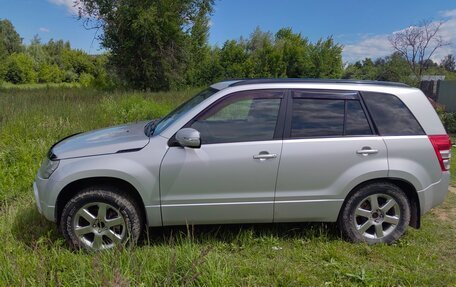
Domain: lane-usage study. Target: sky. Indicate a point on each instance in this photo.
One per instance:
(361, 26)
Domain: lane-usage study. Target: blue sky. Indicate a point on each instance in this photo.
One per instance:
(362, 26)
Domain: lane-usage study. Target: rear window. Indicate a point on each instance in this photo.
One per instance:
(316, 118)
(390, 115)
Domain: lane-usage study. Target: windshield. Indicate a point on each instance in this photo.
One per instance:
(181, 110)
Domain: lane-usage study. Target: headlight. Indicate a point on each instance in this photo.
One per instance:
(48, 167)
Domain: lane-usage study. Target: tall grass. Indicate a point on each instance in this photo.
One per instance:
(32, 253)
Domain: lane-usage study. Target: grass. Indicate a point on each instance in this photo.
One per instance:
(32, 253)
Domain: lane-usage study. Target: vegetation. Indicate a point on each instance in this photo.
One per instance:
(52, 62)
(32, 252)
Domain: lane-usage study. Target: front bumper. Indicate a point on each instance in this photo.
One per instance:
(40, 190)
(434, 194)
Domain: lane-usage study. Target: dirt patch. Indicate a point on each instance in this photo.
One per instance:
(445, 212)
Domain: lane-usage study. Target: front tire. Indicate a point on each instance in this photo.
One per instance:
(99, 218)
(376, 213)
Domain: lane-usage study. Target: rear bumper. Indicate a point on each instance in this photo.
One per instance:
(39, 190)
(434, 194)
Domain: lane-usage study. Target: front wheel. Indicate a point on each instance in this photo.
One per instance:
(375, 213)
(100, 218)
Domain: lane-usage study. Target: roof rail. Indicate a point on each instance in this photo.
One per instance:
(241, 82)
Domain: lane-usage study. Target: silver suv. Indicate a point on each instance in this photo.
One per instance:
(372, 156)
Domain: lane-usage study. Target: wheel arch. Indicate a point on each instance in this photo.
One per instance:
(407, 187)
(72, 188)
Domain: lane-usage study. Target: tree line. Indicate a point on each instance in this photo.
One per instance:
(51, 62)
(163, 44)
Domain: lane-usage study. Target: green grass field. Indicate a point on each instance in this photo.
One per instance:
(32, 253)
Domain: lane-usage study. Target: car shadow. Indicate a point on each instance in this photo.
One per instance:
(33, 230)
(233, 233)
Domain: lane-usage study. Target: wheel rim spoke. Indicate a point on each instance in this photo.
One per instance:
(102, 208)
(379, 231)
(87, 215)
(113, 236)
(391, 219)
(373, 199)
(388, 205)
(362, 212)
(97, 241)
(83, 230)
(114, 222)
(364, 227)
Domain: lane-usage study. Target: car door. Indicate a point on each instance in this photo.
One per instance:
(231, 178)
(329, 147)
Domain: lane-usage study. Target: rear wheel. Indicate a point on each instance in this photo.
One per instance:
(100, 218)
(375, 213)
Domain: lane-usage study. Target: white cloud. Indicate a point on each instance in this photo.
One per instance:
(368, 47)
(374, 46)
(71, 5)
(44, 30)
(448, 13)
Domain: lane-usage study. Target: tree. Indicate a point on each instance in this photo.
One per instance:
(20, 69)
(148, 39)
(448, 63)
(10, 41)
(417, 44)
(326, 58)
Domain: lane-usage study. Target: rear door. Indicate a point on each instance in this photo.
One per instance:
(329, 146)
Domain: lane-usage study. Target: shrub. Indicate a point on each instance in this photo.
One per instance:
(86, 80)
(49, 74)
(19, 69)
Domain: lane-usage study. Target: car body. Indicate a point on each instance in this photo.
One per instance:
(264, 151)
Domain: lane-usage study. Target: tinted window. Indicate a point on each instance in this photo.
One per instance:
(390, 115)
(245, 116)
(356, 122)
(317, 117)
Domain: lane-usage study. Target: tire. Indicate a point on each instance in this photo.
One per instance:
(361, 220)
(99, 218)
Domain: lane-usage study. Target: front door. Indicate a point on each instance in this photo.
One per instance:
(232, 177)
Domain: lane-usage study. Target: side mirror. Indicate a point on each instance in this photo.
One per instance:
(188, 137)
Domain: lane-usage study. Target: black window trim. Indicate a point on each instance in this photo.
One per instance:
(346, 95)
(279, 128)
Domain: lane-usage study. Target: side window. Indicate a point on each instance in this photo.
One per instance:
(317, 117)
(242, 116)
(356, 123)
(390, 115)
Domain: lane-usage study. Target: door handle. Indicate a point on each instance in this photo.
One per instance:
(367, 151)
(264, 156)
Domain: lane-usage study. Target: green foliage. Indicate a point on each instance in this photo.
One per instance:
(152, 43)
(10, 41)
(20, 69)
(395, 68)
(49, 73)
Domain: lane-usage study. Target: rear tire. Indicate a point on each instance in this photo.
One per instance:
(99, 218)
(376, 213)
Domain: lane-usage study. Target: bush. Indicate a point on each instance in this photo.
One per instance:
(448, 120)
(19, 69)
(70, 76)
(49, 74)
(86, 80)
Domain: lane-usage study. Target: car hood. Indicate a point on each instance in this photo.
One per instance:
(123, 138)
